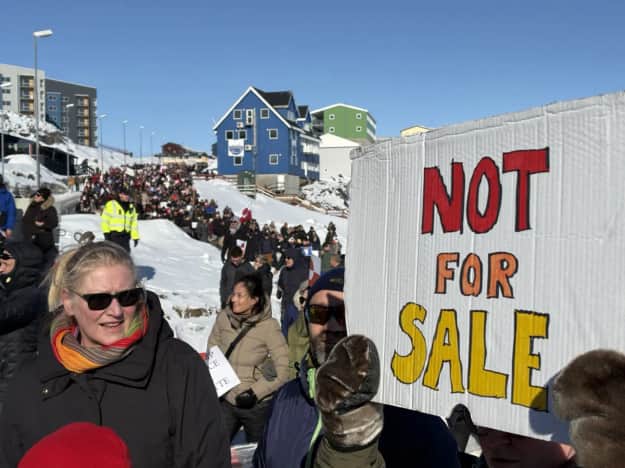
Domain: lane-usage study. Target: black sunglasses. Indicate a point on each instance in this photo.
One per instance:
(100, 301)
(320, 315)
(6, 256)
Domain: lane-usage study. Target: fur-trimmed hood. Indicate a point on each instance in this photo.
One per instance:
(47, 203)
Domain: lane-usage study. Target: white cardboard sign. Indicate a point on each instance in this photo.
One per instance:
(485, 256)
(222, 373)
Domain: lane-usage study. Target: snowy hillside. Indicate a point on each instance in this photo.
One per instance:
(20, 170)
(22, 126)
(329, 194)
(184, 272)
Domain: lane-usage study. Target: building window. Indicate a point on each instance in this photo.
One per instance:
(52, 98)
(331, 117)
(6, 91)
(264, 113)
(274, 159)
(65, 99)
(331, 129)
(242, 134)
(6, 103)
(273, 133)
(229, 135)
(237, 114)
(238, 161)
(52, 108)
(359, 128)
(359, 116)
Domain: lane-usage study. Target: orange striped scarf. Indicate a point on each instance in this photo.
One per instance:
(77, 358)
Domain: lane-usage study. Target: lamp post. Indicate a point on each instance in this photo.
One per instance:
(151, 150)
(36, 35)
(141, 143)
(124, 122)
(100, 117)
(68, 106)
(4, 118)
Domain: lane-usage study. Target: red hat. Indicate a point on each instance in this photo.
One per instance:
(79, 444)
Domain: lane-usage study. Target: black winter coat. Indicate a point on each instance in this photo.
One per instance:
(44, 212)
(229, 274)
(22, 304)
(160, 399)
(267, 278)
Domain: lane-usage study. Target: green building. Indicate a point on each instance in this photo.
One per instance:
(353, 123)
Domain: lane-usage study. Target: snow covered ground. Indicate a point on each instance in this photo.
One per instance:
(184, 272)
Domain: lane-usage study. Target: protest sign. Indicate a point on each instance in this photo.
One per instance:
(484, 256)
(221, 371)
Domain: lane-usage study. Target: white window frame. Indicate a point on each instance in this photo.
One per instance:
(275, 157)
(239, 159)
(231, 134)
(331, 129)
(269, 130)
(234, 114)
(358, 116)
(265, 111)
(359, 128)
(242, 134)
(331, 116)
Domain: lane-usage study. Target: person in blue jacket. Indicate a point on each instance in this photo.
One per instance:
(324, 417)
(7, 211)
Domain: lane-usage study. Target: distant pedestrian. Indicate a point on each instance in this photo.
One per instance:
(39, 222)
(234, 268)
(8, 213)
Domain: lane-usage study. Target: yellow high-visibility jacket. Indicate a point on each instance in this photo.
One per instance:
(115, 219)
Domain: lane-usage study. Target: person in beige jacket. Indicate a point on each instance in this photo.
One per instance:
(260, 358)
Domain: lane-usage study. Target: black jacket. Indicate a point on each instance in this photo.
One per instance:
(44, 212)
(229, 274)
(22, 304)
(159, 399)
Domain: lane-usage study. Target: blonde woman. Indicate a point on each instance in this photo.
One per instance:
(109, 357)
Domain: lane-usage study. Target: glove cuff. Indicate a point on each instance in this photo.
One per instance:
(356, 428)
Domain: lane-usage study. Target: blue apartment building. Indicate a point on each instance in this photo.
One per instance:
(268, 134)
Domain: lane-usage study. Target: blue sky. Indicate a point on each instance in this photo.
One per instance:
(174, 66)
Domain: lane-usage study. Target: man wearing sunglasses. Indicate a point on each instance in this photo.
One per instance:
(342, 372)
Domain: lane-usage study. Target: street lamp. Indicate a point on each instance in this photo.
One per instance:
(4, 117)
(36, 35)
(141, 143)
(151, 150)
(67, 106)
(124, 122)
(100, 117)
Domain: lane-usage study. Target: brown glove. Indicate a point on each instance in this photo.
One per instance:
(346, 383)
(588, 392)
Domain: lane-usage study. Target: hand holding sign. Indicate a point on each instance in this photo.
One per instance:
(224, 377)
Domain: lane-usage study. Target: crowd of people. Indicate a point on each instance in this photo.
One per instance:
(87, 355)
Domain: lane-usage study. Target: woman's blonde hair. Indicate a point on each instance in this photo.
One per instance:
(72, 267)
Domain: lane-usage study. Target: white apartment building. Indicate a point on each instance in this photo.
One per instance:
(19, 97)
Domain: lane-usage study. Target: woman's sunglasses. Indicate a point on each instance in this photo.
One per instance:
(6, 256)
(100, 301)
(320, 315)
